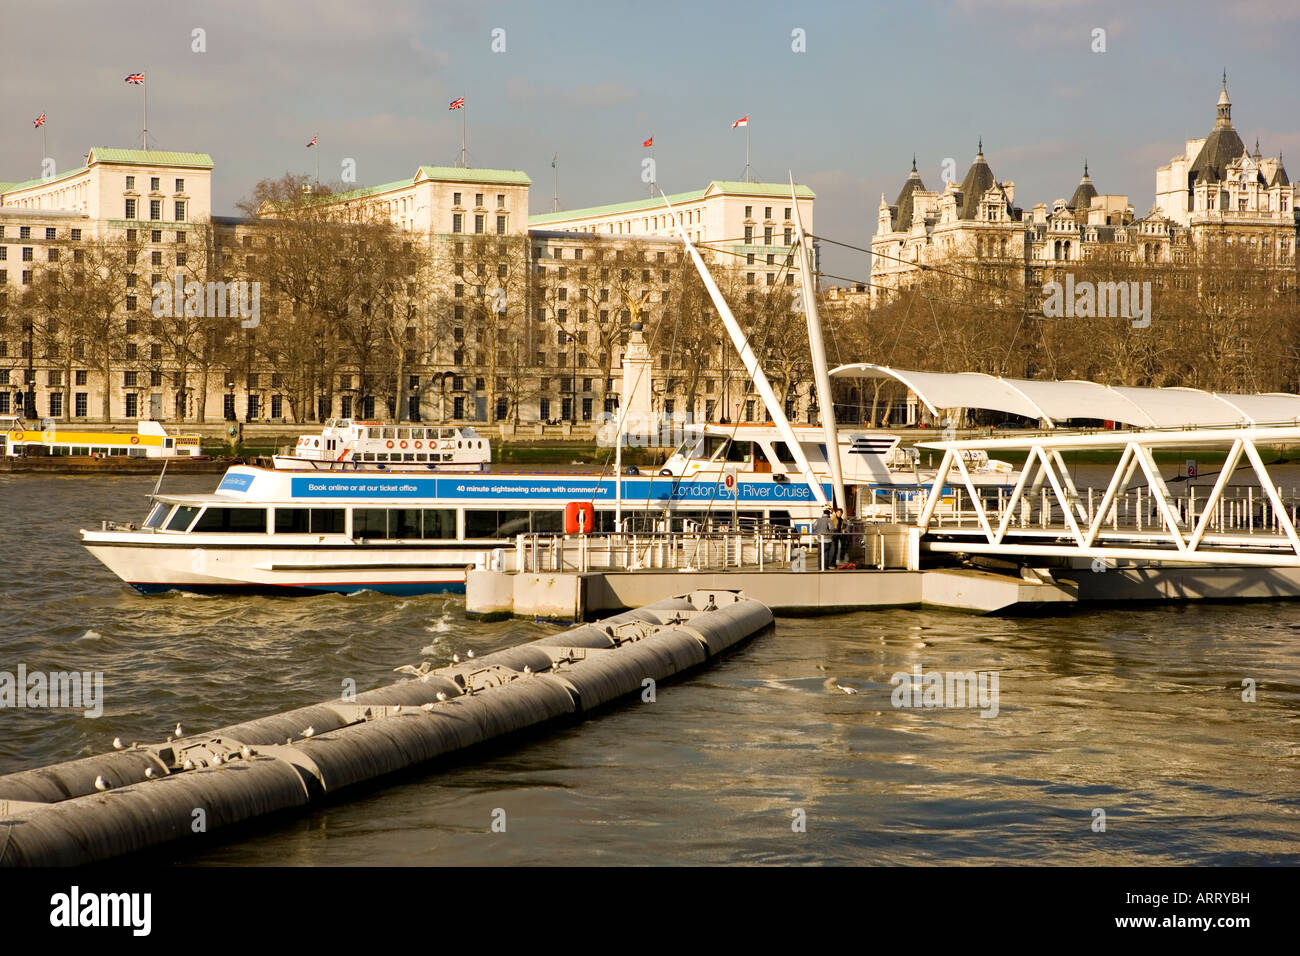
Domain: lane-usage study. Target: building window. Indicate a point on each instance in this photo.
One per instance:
(749, 234)
(767, 235)
(277, 406)
(24, 232)
(787, 212)
(155, 379)
(749, 212)
(130, 183)
(155, 209)
(27, 253)
(180, 210)
(478, 223)
(129, 379)
(130, 303)
(180, 186)
(501, 225)
(132, 352)
(80, 375)
(76, 235)
(155, 235)
(457, 222)
(155, 183)
(478, 200)
(132, 405)
(155, 258)
(56, 404)
(49, 233)
(80, 404)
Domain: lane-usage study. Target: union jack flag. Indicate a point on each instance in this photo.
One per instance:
(649, 142)
(312, 143)
(457, 104)
(39, 121)
(135, 79)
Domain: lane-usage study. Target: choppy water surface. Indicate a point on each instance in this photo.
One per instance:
(1137, 712)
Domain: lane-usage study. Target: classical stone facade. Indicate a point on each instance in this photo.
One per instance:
(580, 279)
(1217, 190)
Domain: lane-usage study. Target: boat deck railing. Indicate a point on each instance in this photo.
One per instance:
(760, 549)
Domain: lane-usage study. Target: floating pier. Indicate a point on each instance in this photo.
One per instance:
(121, 802)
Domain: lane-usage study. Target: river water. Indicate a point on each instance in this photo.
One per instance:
(1133, 718)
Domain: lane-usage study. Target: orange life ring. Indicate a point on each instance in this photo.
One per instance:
(135, 439)
(419, 445)
(390, 444)
(18, 436)
(401, 444)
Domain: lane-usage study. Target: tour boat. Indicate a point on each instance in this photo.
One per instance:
(149, 441)
(282, 530)
(347, 445)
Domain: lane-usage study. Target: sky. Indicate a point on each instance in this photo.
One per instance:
(840, 94)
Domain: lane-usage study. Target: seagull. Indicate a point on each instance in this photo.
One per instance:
(455, 658)
(469, 653)
(217, 761)
(188, 764)
(178, 732)
(148, 772)
(101, 784)
(426, 707)
(847, 690)
(117, 743)
(441, 697)
(309, 732)
(246, 752)
(397, 709)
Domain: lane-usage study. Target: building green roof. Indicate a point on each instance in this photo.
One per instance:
(773, 190)
(458, 174)
(151, 157)
(40, 181)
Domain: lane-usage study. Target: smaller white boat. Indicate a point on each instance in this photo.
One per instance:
(348, 445)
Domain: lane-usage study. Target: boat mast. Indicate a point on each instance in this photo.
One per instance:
(817, 346)
(750, 361)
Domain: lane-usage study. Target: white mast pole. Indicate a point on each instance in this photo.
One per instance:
(750, 361)
(817, 347)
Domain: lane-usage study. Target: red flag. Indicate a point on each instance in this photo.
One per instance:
(135, 79)
(649, 142)
(457, 104)
(743, 121)
(39, 121)
(312, 143)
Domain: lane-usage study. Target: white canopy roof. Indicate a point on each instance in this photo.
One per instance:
(1054, 402)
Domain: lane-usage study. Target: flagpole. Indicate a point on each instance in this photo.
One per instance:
(464, 132)
(746, 147)
(45, 151)
(144, 87)
(653, 169)
(555, 168)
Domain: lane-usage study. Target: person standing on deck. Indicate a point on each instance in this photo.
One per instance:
(823, 527)
(840, 527)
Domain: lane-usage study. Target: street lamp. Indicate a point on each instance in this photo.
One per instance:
(29, 400)
(230, 402)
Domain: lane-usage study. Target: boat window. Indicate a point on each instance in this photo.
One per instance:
(411, 523)
(369, 522)
(741, 451)
(485, 523)
(156, 516)
(549, 522)
(181, 518)
(233, 520)
(783, 452)
(417, 432)
(712, 445)
(308, 520)
(439, 523)
(368, 456)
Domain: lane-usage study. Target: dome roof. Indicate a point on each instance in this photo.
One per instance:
(1084, 193)
(979, 180)
(1222, 146)
(903, 205)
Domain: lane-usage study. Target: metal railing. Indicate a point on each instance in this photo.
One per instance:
(761, 549)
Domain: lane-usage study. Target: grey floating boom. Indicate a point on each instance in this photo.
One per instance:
(99, 807)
